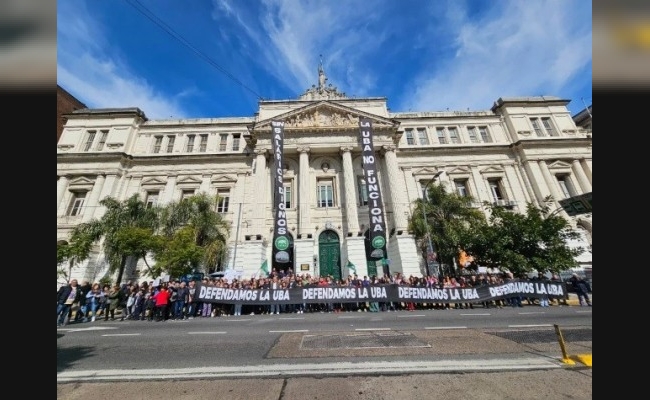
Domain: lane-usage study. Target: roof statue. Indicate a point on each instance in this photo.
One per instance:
(322, 92)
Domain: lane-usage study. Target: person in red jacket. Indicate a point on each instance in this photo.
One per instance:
(161, 299)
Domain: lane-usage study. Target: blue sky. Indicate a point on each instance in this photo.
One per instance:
(217, 58)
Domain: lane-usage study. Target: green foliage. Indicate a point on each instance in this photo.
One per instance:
(180, 254)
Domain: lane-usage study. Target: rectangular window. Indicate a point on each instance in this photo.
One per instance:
(422, 136)
(453, 135)
(409, 137)
(157, 143)
(495, 189)
(485, 135)
(223, 200)
(442, 137)
(152, 199)
(203, 145)
(325, 193)
(90, 138)
(235, 141)
(363, 191)
(565, 185)
(461, 187)
(190, 143)
(287, 195)
(536, 127)
(473, 135)
(223, 142)
(170, 143)
(76, 203)
(186, 193)
(546, 122)
(102, 140)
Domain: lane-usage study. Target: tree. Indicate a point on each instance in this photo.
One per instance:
(523, 243)
(451, 220)
(74, 251)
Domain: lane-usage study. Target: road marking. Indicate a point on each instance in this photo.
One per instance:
(372, 329)
(477, 314)
(238, 320)
(292, 318)
(411, 315)
(529, 326)
(585, 311)
(292, 331)
(207, 333)
(532, 312)
(123, 334)
(92, 328)
(348, 317)
(445, 327)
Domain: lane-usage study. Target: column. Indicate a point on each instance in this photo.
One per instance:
(93, 199)
(61, 186)
(516, 187)
(583, 181)
(304, 206)
(540, 189)
(259, 212)
(551, 182)
(586, 167)
(108, 188)
(169, 189)
(396, 187)
(481, 193)
(349, 183)
(205, 183)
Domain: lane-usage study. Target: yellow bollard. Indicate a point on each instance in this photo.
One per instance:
(565, 357)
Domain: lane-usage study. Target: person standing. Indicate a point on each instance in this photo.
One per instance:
(191, 303)
(93, 300)
(82, 313)
(162, 302)
(182, 298)
(113, 300)
(582, 289)
(66, 296)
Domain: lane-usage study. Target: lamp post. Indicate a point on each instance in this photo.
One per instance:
(431, 253)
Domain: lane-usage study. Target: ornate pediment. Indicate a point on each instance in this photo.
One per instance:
(152, 182)
(188, 180)
(81, 181)
(223, 179)
(559, 165)
(425, 172)
(325, 115)
(459, 171)
(493, 169)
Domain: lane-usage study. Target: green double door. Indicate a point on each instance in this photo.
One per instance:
(329, 254)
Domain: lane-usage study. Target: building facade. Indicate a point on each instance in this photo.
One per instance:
(521, 150)
(65, 104)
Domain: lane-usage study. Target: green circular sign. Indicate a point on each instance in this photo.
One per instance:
(378, 242)
(281, 243)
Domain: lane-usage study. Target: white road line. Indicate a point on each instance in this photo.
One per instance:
(586, 311)
(292, 318)
(348, 317)
(292, 331)
(207, 333)
(445, 327)
(237, 320)
(411, 315)
(123, 334)
(372, 329)
(532, 312)
(529, 326)
(477, 314)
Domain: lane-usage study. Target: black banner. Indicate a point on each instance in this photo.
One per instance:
(281, 240)
(377, 229)
(380, 293)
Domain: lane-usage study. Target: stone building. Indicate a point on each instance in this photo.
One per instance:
(65, 104)
(520, 150)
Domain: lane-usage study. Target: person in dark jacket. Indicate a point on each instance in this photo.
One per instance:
(66, 296)
(582, 289)
(82, 314)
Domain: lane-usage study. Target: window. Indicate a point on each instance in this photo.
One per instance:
(157, 143)
(325, 193)
(495, 189)
(363, 191)
(102, 140)
(90, 138)
(565, 185)
(287, 195)
(409, 137)
(548, 127)
(152, 199)
(453, 135)
(461, 187)
(485, 135)
(422, 136)
(473, 136)
(442, 138)
(186, 193)
(76, 203)
(203, 145)
(235, 141)
(223, 200)
(536, 127)
(223, 142)
(190, 143)
(170, 143)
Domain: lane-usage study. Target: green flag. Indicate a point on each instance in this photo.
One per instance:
(265, 267)
(351, 267)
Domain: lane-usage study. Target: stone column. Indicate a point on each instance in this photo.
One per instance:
(551, 181)
(61, 186)
(397, 187)
(169, 189)
(586, 167)
(205, 183)
(482, 194)
(304, 205)
(583, 181)
(349, 183)
(511, 174)
(537, 183)
(107, 190)
(259, 212)
(93, 200)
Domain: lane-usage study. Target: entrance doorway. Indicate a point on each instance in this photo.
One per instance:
(329, 254)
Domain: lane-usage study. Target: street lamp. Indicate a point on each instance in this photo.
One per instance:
(431, 254)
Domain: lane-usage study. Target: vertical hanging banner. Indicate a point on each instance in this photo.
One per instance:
(377, 226)
(281, 240)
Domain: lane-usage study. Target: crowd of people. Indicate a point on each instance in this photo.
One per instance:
(177, 300)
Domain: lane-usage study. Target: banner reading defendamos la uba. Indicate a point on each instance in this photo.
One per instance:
(380, 293)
